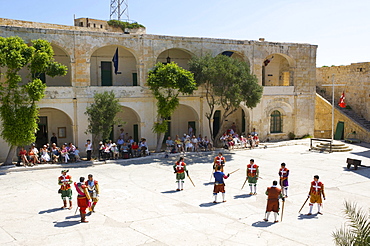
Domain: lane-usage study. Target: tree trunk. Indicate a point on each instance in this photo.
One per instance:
(159, 142)
(9, 158)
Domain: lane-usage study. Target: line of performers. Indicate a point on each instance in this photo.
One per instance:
(87, 193)
(274, 193)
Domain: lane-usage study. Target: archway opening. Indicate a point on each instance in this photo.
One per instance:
(179, 56)
(276, 71)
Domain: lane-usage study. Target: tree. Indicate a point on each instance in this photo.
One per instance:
(227, 83)
(102, 115)
(19, 97)
(167, 81)
(358, 231)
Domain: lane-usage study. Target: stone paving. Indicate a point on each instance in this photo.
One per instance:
(139, 205)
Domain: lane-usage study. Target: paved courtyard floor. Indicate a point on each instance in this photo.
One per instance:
(139, 205)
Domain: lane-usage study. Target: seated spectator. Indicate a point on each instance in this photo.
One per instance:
(115, 151)
(179, 145)
(143, 147)
(120, 142)
(134, 150)
(45, 157)
(130, 140)
(250, 141)
(23, 156)
(77, 155)
(188, 144)
(169, 144)
(107, 152)
(207, 143)
(55, 153)
(71, 151)
(224, 138)
(31, 157)
(36, 154)
(64, 153)
(194, 142)
(230, 141)
(101, 150)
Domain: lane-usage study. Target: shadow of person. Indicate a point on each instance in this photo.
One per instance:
(66, 223)
(208, 204)
(262, 224)
(170, 191)
(307, 217)
(242, 196)
(52, 210)
(73, 216)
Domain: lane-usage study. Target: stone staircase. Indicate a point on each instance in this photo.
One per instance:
(346, 111)
(335, 147)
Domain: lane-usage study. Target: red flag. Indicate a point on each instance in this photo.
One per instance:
(341, 103)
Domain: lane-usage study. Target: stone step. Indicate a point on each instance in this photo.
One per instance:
(333, 149)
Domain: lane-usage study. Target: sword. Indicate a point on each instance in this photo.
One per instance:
(282, 211)
(211, 176)
(191, 180)
(234, 171)
(244, 183)
(303, 204)
(76, 210)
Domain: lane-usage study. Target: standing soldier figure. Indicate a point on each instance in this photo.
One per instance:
(273, 195)
(219, 183)
(316, 190)
(180, 168)
(284, 173)
(219, 161)
(83, 198)
(94, 191)
(252, 176)
(65, 182)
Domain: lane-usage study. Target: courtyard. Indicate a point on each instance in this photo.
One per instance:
(139, 204)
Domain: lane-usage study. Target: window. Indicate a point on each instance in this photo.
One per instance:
(276, 122)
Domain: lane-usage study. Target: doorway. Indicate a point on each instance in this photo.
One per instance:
(42, 133)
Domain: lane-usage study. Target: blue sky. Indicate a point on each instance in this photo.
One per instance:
(341, 28)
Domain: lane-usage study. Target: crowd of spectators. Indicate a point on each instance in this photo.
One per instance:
(231, 139)
(188, 143)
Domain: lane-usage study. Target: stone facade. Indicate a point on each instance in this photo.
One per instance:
(353, 80)
(289, 81)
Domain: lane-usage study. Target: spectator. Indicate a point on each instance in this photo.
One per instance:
(54, 139)
(144, 150)
(179, 145)
(88, 146)
(194, 142)
(45, 157)
(36, 154)
(207, 143)
(188, 144)
(23, 156)
(120, 142)
(64, 153)
(55, 153)
(134, 149)
(126, 137)
(115, 151)
(101, 150)
(71, 151)
(233, 127)
(77, 155)
(122, 134)
(169, 143)
(107, 151)
(125, 151)
(190, 131)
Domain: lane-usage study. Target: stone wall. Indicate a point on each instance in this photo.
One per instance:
(323, 122)
(353, 80)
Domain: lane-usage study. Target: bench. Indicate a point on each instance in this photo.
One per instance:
(353, 162)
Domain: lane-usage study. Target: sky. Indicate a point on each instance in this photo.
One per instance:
(340, 28)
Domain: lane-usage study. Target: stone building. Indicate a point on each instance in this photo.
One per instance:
(286, 71)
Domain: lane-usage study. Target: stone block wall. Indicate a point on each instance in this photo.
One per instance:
(353, 80)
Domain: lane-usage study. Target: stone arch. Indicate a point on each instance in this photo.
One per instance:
(130, 122)
(180, 120)
(54, 120)
(277, 70)
(241, 117)
(102, 67)
(236, 55)
(61, 56)
(177, 55)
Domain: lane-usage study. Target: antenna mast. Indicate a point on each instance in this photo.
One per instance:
(119, 8)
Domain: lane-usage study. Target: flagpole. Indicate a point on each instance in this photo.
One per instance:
(332, 110)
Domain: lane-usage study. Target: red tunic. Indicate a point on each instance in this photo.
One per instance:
(252, 170)
(316, 190)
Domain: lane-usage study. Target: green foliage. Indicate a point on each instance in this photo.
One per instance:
(167, 81)
(306, 136)
(102, 114)
(227, 82)
(123, 24)
(19, 111)
(357, 232)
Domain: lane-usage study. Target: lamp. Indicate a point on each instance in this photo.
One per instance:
(168, 57)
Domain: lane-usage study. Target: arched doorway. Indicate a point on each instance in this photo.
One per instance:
(240, 117)
(179, 56)
(130, 123)
(51, 121)
(183, 117)
(277, 71)
(102, 69)
(235, 55)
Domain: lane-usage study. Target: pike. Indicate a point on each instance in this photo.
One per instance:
(244, 183)
(190, 180)
(303, 204)
(282, 211)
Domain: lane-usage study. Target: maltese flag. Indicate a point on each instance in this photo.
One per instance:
(341, 103)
